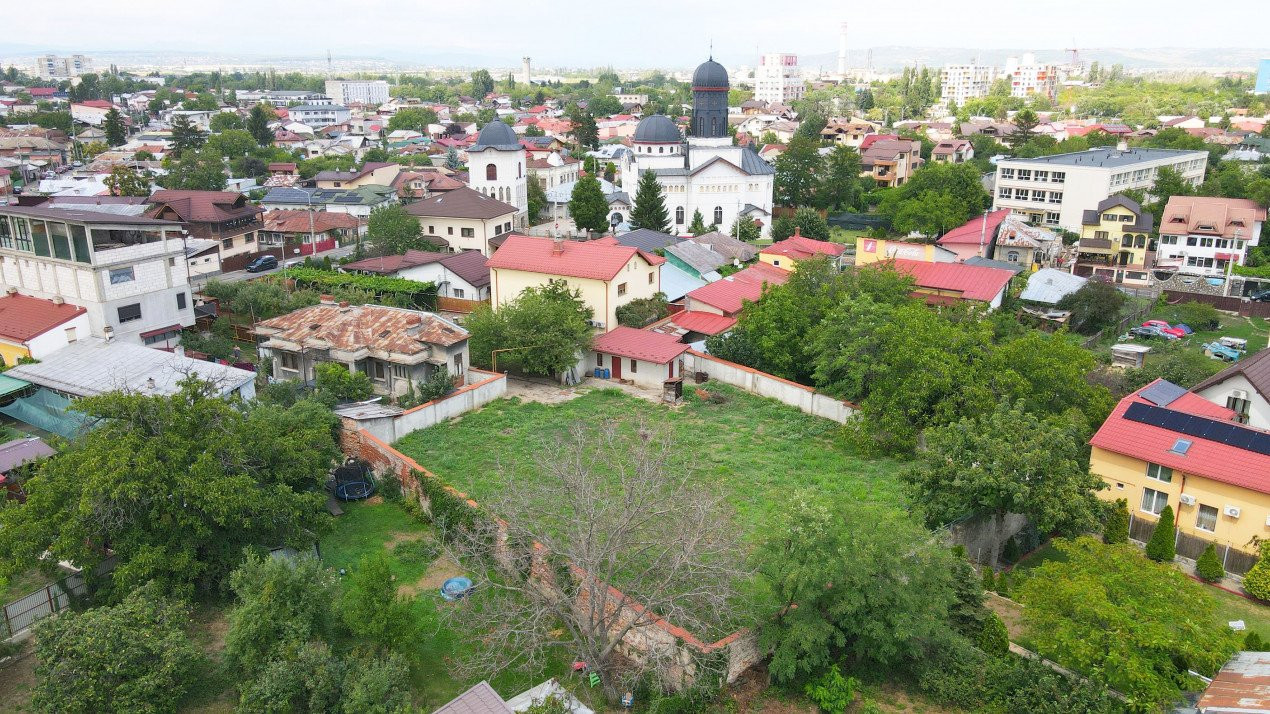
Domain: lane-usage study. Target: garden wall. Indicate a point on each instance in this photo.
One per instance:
(661, 641)
(483, 388)
(766, 385)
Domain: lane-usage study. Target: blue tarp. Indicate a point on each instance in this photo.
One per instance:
(49, 411)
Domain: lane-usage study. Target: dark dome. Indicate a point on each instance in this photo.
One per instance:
(497, 133)
(657, 128)
(710, 75)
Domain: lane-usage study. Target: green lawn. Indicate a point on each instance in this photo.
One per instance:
(756, 450)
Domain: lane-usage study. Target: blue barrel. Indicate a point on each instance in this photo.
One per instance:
(598, 372)
(607, 373)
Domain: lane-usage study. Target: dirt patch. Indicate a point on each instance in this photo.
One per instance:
(210, 628)
(375, 500)
(441, 570)
(17, 679)
(1010, 612)
(751, 694)
(401, 537)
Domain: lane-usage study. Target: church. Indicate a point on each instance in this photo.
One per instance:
(705, 173)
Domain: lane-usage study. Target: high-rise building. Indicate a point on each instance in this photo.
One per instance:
(778, 79)
(1028, 78)
(1263, 77)
(52, 66)
(962, 82)
(357, 91)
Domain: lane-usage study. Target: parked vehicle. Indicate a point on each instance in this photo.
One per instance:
(1216, 350)
(1151, 332)
(262, 263)
(1260, 296)
(1164, 327)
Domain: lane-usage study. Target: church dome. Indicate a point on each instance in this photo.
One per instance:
(710, 75)
(657, 129)
(497, 134)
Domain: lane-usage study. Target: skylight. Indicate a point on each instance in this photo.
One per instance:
(1181, 446)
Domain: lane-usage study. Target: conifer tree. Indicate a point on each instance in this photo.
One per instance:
(1161, 547)
(650, 205)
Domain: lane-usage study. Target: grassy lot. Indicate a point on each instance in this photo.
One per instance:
(1253, 329)
(757, 450)
(25, 583)
(845, 235)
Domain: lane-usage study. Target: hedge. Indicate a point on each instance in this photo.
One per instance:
(404, 293)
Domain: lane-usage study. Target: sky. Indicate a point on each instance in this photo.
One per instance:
(584, 33)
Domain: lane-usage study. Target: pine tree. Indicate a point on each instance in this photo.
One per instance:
(116, 132)
(185, 136)
(1257, 580)
(452, 159)
(698, 225)
(650, 205)
(588, 206)
(989, 579)
(258, 125)
(1161, 547)
(1209, 567)
(1116, 529)
(1253, 642)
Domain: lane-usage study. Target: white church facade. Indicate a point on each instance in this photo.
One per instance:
(496, 165)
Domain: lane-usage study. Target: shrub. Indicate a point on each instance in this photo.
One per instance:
(1003, 584)
(1196, 315)
(832, 692)
(423, 550)
(644, 311)
(335, 380)
(989, 579)
(1209, 567)
(993, 638)
(1161, 547)
(1116, 529)
(1010, 553)
(436, 386)
(1257, 580)
(1253, 642)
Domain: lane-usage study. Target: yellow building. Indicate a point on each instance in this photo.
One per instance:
(34, 328)
(1115, 241)
(607, 274)
(1165, 446)
(785, 254)
(876, 250)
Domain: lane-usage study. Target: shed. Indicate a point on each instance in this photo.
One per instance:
(1048, 286)
(1243, 685)
(1126, 355)
(644, 357)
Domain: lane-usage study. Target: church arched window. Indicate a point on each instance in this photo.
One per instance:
(718, 215)
(491, 172)
(661, 149)
(714, 125)
(679, 215)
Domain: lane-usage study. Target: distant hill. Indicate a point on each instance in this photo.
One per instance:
(1179, 58)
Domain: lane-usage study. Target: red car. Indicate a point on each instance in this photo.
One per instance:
(1164, 327)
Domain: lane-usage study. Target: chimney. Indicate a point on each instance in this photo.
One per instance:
(150, 383)
(797, 233)
(59, 300)
(343, 303)
(327, 300)
(11, 291)
(557, 246)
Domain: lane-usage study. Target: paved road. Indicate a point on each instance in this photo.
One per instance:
(235, 276)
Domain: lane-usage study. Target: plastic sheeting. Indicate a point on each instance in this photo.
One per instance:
(49, 411)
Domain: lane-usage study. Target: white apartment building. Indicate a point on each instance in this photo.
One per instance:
(358, 91)
(962, 82)
(319, 115)
(1056, 190)
(54, 67)
(778, 79)
(128, 271)
(1028, 77)
(1205, 235)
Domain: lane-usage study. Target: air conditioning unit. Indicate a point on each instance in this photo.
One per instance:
(1232, 511)
(1187, 499)
(596, 324)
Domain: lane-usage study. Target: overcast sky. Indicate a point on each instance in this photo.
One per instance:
(665, 33)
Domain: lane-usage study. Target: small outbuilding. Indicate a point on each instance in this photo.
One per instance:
(644, 357)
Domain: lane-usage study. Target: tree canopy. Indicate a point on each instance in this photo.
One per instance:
(413, 118)
(588, 207)
(650, 205)
(545, 328)
(391, 230)
(797, 169)
(938, 197)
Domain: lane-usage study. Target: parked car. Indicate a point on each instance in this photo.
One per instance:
(1164, 327)
(1260, 296)
(1152, 332)
(261, 263)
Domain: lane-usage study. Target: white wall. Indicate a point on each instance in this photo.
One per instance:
(1258, 408)
(53, 340)
(645, 374)
(765, 385)
(473, 396)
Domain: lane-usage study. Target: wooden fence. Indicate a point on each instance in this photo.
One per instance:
(450, 304)
(1235, 561)
(1244, 308)
(1120, 327)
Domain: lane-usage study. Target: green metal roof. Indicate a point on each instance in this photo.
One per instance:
(10, 385)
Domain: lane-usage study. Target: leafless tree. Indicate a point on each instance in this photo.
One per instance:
(614, 538)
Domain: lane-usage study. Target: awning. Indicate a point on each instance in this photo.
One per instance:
(11, 385)
(1228, 256)
(160, 331)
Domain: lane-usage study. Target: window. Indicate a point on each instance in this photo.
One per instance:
(432, 230)
(679, 215)
(1160, 473)
(6, 234)
(467, 232)
(22, 235)
(1056, 197)
(449, 230)
(1007, 173)
(400, 371)
(1058, 176)
(1038, 196)
(1042, 175)
(1154, 501)
(128, 313)
(289, 361)
(1240, 406)
(1012, 256)
(718, 215)
(70, 334)
(651, 277)
(1051, 218)
(227, 243)
(599, 359)
(1191, 240)
(621, 288)
(1206, 518)
(122, 275)
(1005, 192)
(40, 235)
(1126, 240)
(180, 301)
(1025, 174)
(491, 172)
(378, 371)
(633, 364)
(1101, 235)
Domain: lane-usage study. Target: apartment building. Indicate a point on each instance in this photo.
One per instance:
(1029, 77)
(126, 269)
(55, 67)
(357, 91)
(1203, 235)
(1057, 190)
(1115, 242)
(319, 115)
(960, 83)
(889, 160)
(777, 79)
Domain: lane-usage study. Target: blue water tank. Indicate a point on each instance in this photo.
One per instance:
(598, 372)
(606, 372)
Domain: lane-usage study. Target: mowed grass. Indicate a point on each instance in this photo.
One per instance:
(756, 450)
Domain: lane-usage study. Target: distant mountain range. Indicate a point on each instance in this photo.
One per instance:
(1165, 58)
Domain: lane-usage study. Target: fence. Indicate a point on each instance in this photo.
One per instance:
(450, 304)
(1244, 308)
(389, 426)
(24, 612)
(766, 385)
(1236, 562)
(1119, 328)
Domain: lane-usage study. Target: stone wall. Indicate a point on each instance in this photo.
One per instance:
(983, 536)
(766, 385)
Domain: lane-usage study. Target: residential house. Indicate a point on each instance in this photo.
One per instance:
(465, 219)
(1048, 286)
(91, 111)
(224, 216)
(728, 295)
(307, 232)
(122, 267)
(1163, 445)
(33, 328)
(848, 132)
(974, 237)
(1115, 241)
(1025, 245)
(695, 259)
(645, 357)
(693, 326)
(889, 160)
(607, 274)
(874, 250)
(648, 240)
(462, 275)
(1205, 235)
(394, 346)
(370, 174)
(734, 249)
(554, 170)
(358, 202)
(952, 151)
(1242, 685)
(1243, 388)
(1057, 190)
(948, 283)
(786, 253)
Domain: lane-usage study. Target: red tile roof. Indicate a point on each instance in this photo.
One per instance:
(203, 206)
(1210, 459)
(639, 344)
(974, 282)
(707, 323)
(388, 264)
(286, 221)
(41, 91)
(94, 103)
(23, 317)
(578, 259)
(969, 232)
(800, 247)
(731, 293)
(874, 138)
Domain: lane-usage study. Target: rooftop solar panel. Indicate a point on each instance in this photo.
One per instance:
(1240, 437)
(1162, 393)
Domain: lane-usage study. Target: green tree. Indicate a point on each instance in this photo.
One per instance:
(231, 143)
(643, 311)
(796, 171)
(280, 605)
(258, 124)
(1095, 306)
(1257, 579)
(545, 327)
(1025, 123)
(186, 136)
(133, 657)
(371, 608)
(537, 197)
(116, 130)
(993, 638)
(938, 197)
(391, 230)
(452, 161)
(698, 225)
(650, 205)
(745, 229)
(832, 692)
(1116, 528)
(1208, 567)
(1161, 547)
(482, 84)
(337, 383)
(176, 485)
(224, 121)
(810, 126)
(840, 187)
(413, 118)
(585, 131)
(810, 224)
(196, 170)
(127, 181)
(587, 205)
(1123, 621)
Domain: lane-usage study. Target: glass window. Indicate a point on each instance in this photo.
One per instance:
(1160, 473)
(1154, 501)
(1038, 196)
(467, 232)
(288, 360)
(22, 234)
(1007, 173)
(1006, 192)
(1206, 518)
(633, 365)
(1025, 174)
(180, 301)
(6, 233)
(40, 236)
(679, 215)
(1058, 176)
(128, 313)
(122, 275)
(1240, 407)
(621, 288)
(61, 240)
(79, 241)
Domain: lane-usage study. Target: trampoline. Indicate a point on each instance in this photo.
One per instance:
(455, 588)
(353, 481)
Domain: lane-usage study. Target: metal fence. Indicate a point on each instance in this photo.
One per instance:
(24, 612)
(1236, 562)
(1120, 327)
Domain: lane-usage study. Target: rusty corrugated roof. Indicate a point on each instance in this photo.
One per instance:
(356, 327)
(1243, 685)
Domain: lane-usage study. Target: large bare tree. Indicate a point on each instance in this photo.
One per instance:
(625, 536)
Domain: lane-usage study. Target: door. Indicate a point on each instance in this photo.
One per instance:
(617, 367)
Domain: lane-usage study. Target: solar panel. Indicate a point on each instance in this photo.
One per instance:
(1162, 393)
(1240, 437)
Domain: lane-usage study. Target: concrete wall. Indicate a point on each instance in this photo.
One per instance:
(482, 388)
(765, 385)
